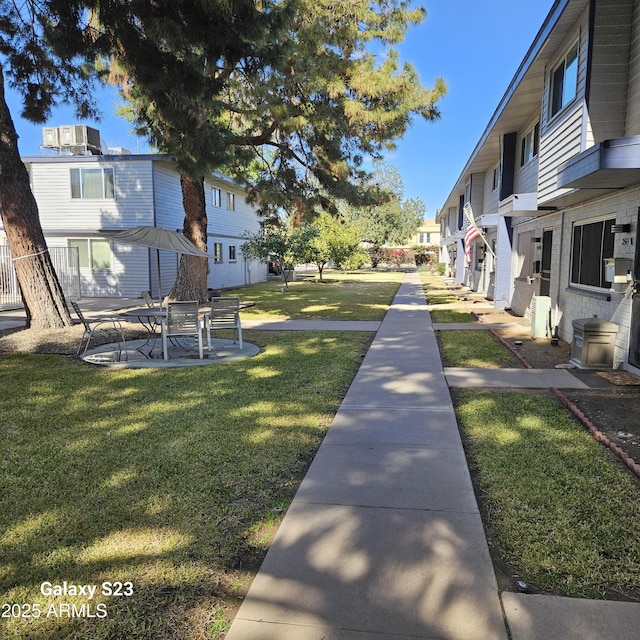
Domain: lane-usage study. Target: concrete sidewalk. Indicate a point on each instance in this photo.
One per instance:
(384, 537)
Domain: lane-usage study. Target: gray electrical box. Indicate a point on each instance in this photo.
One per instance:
(593, 343)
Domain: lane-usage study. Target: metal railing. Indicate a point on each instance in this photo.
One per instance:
(65, 262)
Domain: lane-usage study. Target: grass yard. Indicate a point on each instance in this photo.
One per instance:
(474, 349)
(165, 478)
(561, 509)
(441, 298)
(450, 315)
(357, 295)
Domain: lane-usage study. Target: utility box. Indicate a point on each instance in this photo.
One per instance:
(617, 270)
(540, 316)
(593, 343)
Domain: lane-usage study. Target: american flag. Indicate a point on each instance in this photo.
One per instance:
(472, 233)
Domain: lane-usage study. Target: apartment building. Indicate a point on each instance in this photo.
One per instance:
(553, 183)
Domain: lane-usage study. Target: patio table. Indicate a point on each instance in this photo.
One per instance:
(149, 318)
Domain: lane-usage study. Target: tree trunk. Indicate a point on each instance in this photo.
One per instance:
(191, 282)
(41, 291)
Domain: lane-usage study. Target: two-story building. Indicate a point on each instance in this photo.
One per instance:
(554, 181)
(427, 235)
(81, 197)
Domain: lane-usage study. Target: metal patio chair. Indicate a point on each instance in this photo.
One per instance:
(224, 314)
(182, 321)
(107, 326)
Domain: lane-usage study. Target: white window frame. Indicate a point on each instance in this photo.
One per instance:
(217, 197)
(231, 201)
(530, 145)
(560, 97)
(86, 258)
(77, 186)
(233, 253)
(217, 252)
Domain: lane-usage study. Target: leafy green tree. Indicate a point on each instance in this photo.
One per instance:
(331, 240)
(280, 243)
(393, 221)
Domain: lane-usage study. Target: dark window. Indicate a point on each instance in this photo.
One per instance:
(564, 81)
(592, 243)
(530, 145)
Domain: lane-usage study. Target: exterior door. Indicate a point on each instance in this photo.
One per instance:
(634, 333)
(545, 267)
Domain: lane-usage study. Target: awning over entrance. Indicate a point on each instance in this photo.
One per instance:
(453, 238)
(519, 204)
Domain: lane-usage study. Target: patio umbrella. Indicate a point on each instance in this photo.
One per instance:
(159, 239)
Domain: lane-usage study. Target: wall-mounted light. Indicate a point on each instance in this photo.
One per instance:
(620, 228)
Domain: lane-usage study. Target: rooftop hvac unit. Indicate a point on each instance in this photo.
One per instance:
(79, 135)
(50, 137)
(540, 316)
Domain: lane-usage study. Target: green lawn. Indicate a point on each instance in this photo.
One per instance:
(563, 511)
(166, 478)
(358, 295)
(474, 349)
(451, 315)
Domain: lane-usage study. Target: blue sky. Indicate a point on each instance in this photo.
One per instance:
(475, 46)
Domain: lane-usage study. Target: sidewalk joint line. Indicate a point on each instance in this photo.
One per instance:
(368, 407)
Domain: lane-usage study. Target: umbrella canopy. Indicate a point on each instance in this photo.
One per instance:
(159, 239)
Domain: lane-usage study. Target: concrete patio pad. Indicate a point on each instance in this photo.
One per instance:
(108, 355)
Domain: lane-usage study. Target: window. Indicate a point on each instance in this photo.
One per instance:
(92, 184)
(530, 145)
(592, 243)
(231, 201)
(495, 182)
(217, 251)
(92, 254)
(232, 253)
(217, 197)
(564, 81)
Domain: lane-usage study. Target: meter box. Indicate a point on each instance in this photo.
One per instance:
(617, 270)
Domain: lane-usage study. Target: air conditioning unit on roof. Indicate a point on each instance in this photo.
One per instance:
(50, 137)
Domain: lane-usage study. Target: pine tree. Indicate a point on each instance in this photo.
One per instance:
(293, 117)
